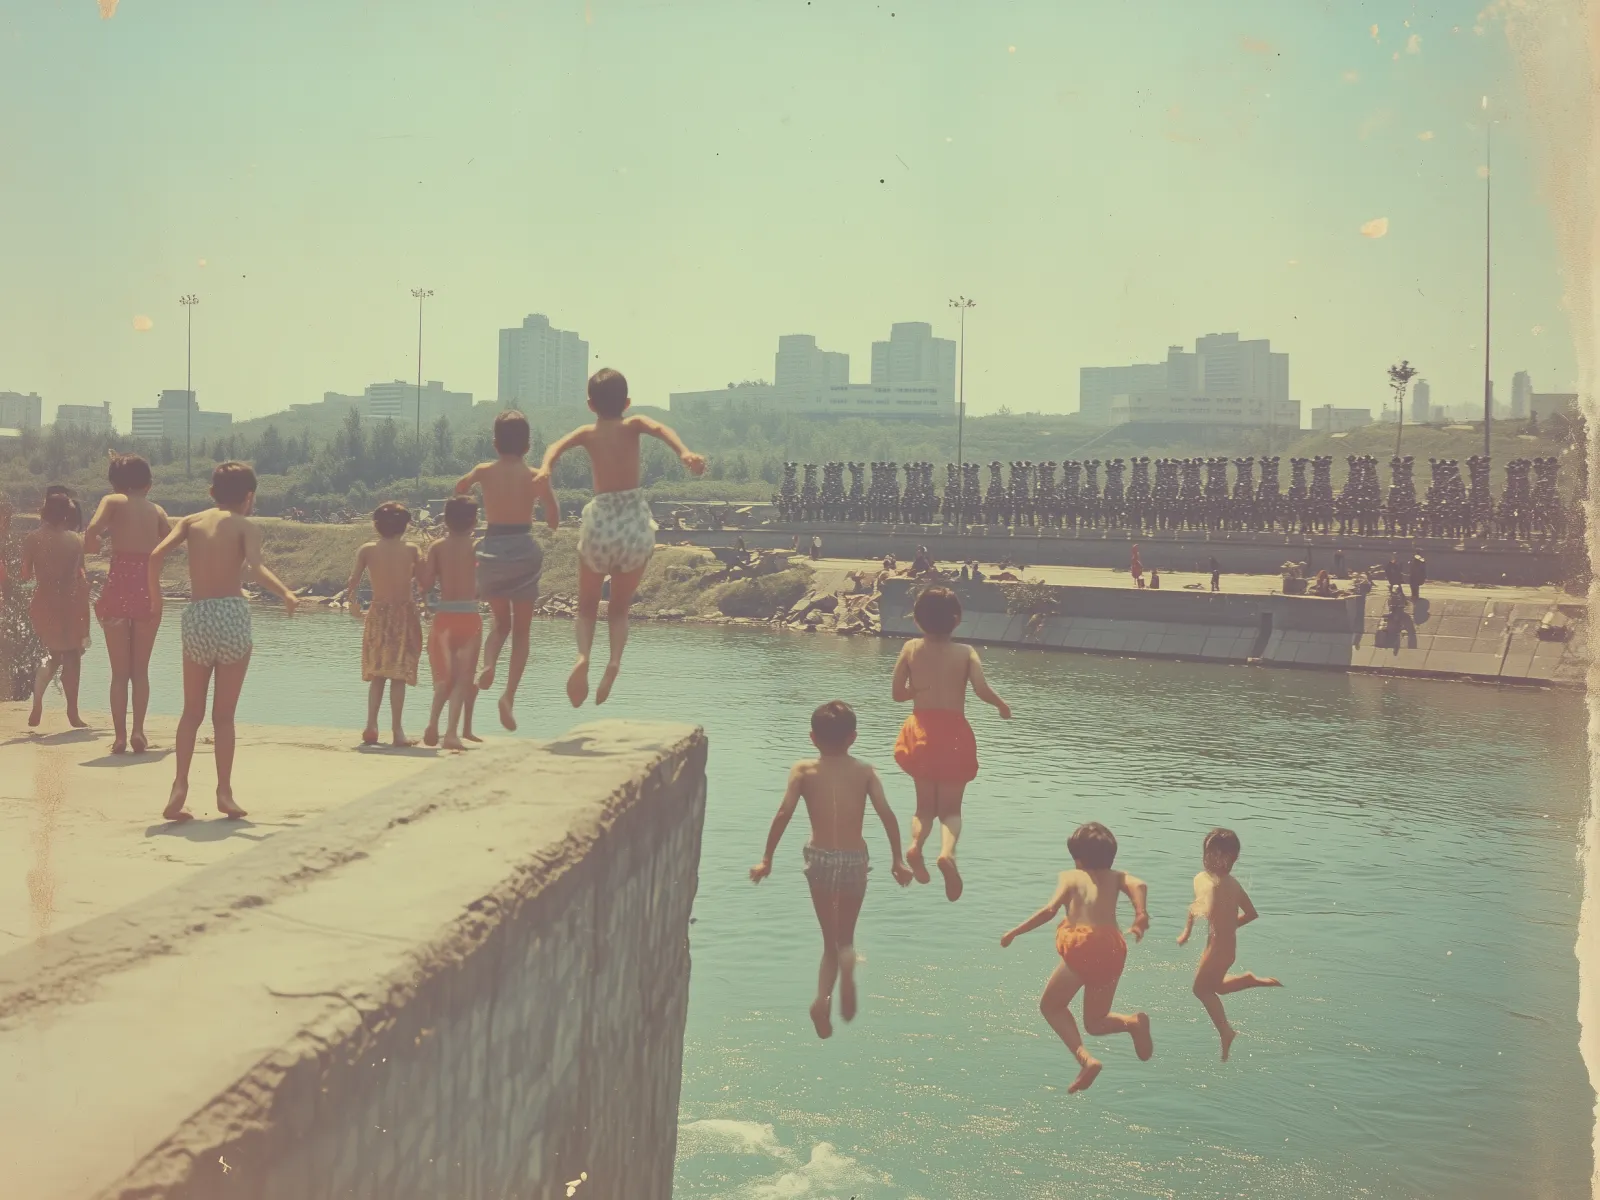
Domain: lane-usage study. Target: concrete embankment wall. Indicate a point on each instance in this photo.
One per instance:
(472, 984)
(1238, 553)
(1477, 639)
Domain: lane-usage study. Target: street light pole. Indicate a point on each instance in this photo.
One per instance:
(1488, 194)
(421, 294)
(962, 303)
(188, 302)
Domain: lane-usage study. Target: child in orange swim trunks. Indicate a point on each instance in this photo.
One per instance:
(1092, 948)
(391, 637)
(936, 746)
(1219, 898)
(457, 624)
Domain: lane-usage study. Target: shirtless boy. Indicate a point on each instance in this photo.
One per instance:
(134, 527)
(936, 746)
(509, 560)
(1092, 948)
(391, 636)
(457, 626)
(618, 535)
(1221, 901)
(216, 633)
(836, 788)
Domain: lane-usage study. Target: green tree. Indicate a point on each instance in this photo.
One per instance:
(443, 447)
(271, 454)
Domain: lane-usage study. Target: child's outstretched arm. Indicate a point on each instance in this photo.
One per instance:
(695, 462)
(1247, 911)
(982, 690)
(546, 497)
(780, 822)
(1197, 909)
(97, 526)
(556, 449)
(464, 484)
(1137, 892)
(252, 557)
(352, 589)
(891, 827)
(902, 675)
(427, 572)
(1044, 914)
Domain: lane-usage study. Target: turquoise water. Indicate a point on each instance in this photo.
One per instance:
(1410, 845)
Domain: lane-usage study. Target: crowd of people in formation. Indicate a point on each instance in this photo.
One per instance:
(938, 749)
(453, 576)
(1146, 495)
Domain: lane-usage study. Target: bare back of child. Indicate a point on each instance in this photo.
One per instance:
(457, 626)
(1092, 948)
(52, 556)
(936, 746)
(836, 788)
(391, 636)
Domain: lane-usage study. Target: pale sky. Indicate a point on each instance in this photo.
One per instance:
(681, 182)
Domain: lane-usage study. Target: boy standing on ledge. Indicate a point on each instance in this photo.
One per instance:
(836, 788)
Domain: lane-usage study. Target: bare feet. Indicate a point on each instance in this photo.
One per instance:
(952, 879)
(919, 866)
(1143, 1044)
(819, 1017)
(36, 715)
(76, 721)
(606, 680)
(430, 736)
(506, 718)
(175, 802)
(139, 742)
(452, 743)
(1227, 1042)
(468, 735)
(1260, 980)
(401, 740)
(227, 807)
(486, 679)
(1086, 1076)
(578, 683)
(369, 736)
(119, 747)
(847, 983)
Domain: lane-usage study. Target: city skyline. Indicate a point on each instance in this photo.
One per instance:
(1217, 172)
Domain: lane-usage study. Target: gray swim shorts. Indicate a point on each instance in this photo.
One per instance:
(843, 871)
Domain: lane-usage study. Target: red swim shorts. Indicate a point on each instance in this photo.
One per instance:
(451, 631)
(1094, 953)
(936, 745)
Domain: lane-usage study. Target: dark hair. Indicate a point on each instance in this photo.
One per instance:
(461, 514)
(1224, 843)
(833, 723)
(128, 473)
(511, 433)
(391, 518)
(57, 489)
(59, 510)
(1093, 847)
(937, 611)
(232, 483)
(608, 392)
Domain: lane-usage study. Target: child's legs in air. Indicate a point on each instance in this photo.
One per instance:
(590, 583)
(1099, 1020)
(836, 915)
(501, 629)
(921, 826)
(622, 588)
(1054, 1006)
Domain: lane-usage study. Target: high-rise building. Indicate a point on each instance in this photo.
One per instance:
(177, 415)
(913, 355)
(21, 411)
(541, 365)
(1421, 402)
(801, 366)
(1521, 395)
(95, 418)
(1224, 381)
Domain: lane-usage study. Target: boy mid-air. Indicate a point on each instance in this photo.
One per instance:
(391, 635)
(618, 534)
(1220, 899)
(457, 626)
(836, 788)
(1092, 948)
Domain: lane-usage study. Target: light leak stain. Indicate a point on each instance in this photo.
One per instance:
(143, 324)
(1375, 228)
(108, 9)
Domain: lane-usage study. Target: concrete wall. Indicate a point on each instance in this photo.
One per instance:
(472, 985)
(1238, 553)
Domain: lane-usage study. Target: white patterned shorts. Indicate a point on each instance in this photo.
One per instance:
(618, 534)
(217, 631)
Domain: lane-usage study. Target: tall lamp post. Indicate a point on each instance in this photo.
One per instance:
(421, 294)
(1488, 193)
(962, 303)
(188, 303)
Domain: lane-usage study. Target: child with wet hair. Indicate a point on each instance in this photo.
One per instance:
(936, 746)
(1221, 901)
(1092, 948)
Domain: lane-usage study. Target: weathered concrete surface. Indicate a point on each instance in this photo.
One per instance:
(472, 983)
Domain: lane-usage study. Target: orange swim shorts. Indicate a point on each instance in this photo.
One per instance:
(450, 632)
(936, 744)
(1094, 953)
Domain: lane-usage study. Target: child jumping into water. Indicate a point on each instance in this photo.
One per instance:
(509, 560)
(936, 746)
(216, 631)
(128, 620)
(391, 636)
(618, 535)
(1092, 948)
(457, 626)
(52, 556)
(1220, 899)
(836, 788)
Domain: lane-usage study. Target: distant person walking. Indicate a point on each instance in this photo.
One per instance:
(816, 547)
(1391, 570)
(1216, 575)
(1419, 575)
(1136, 568)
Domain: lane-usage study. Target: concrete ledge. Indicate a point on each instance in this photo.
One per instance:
(471, 983)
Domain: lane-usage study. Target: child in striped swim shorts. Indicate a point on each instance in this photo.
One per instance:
(836, 788)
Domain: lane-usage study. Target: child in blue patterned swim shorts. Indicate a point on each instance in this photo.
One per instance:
(216, 622)
(618, 534)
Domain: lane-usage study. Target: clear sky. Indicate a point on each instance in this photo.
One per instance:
(681, 182)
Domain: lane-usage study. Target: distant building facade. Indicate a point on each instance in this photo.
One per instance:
(1223, 381)
(1325, 418)
(19, 410)
(177, 414)
(1545, 405)
(1521, 395)
(913, 355)
(541, 365)
(1421, 403)
(96, 418)
(396, 401)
